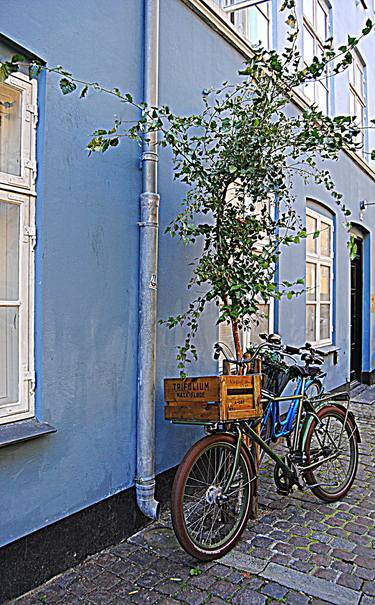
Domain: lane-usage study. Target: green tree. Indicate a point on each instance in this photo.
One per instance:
(239, 156)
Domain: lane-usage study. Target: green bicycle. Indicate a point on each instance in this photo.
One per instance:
(215, 485)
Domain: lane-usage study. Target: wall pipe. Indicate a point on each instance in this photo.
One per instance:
(149, 217)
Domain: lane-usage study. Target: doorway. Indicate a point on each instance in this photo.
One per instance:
(356, 298)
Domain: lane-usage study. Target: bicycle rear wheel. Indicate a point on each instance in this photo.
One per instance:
(315, 389)
(331, 440)
(208, 523)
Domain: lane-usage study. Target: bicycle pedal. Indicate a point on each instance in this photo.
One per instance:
(282, 492)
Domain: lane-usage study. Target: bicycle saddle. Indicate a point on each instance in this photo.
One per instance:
(305, 372)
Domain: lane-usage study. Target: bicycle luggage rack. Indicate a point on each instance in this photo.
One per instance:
(204, 399)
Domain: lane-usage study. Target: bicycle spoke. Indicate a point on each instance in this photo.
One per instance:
(331, 446)
(209, 518)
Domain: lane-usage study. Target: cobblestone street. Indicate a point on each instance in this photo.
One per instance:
(300, 551)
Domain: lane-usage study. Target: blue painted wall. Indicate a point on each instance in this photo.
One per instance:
(87, 269)
(87, 254)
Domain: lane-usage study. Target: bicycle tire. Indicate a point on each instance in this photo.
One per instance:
(190, 505)
(313, 443)
(314, 385)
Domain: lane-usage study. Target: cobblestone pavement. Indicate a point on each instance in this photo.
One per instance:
(300, 551)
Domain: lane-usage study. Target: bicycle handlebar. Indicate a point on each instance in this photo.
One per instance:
(292, 350)
(273, 341)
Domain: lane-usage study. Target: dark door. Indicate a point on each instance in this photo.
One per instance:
(356, 314)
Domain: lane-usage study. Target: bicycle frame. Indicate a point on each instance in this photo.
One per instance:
(249, 432)
(273, 410)
(295, 410)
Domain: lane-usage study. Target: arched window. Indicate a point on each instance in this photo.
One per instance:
(319, 277)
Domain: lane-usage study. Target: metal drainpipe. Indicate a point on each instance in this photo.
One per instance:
(149, 211)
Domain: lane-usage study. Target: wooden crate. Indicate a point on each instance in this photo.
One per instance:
(212, 398)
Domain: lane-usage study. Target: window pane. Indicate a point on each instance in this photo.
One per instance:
(9, 364)
(351, 104)
(265, 8)
(308, 9)
(263, 325)
(260, 27)
(10, 130)
(253, 24)
(361, 114)
(324, 322)
(310, 323)
(9, 250)
(325, 239)
(321, 22)
(309, 91)
(325, 283)
(358, 80)
(311, 226)
(321, 96)
(242, 22)
(308, 46)
(310, 281)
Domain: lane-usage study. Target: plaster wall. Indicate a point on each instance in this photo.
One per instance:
(87, 255)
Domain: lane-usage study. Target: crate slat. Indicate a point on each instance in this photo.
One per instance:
(196, 389)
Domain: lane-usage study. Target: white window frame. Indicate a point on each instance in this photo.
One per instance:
(311, 28)
(29, 112)
(239, 5)
(318, 260)
(358, 95)
(21, 192)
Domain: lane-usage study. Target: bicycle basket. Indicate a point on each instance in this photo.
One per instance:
(274, 378)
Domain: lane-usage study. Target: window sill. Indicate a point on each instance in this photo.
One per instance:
(24, 430)
(328, 349)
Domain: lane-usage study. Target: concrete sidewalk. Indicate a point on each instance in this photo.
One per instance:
(299, 551)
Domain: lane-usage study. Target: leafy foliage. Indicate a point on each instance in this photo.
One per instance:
(239, 157)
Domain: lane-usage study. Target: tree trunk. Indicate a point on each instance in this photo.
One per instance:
(236, 338)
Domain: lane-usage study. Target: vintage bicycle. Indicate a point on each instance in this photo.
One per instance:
(215, 485)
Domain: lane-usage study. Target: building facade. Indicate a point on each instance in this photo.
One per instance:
(69, 256)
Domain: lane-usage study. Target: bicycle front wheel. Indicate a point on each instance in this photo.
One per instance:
(332, 442)
(207, 522)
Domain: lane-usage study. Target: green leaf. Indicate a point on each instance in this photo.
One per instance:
(4, 73)
(105, 145)
(232, 168)
(18, 59)
(84, 91)
(368, 27)
(67, 86)
(6, 69)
